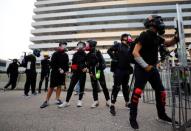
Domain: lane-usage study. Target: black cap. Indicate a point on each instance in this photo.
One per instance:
(81, 42)
(124, 35)
(62, 43)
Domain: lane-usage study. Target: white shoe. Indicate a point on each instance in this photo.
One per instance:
(95, 104)
(75, 93)
(108, 103)
(64, 104)
(79, 104)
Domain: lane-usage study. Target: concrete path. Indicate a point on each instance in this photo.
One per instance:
(18, 113)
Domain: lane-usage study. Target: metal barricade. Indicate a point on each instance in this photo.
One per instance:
(177, 82)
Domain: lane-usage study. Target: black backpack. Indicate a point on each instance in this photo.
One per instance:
(130, 52)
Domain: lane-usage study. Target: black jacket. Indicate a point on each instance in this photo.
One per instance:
(45, 66)
(120, 54)
(79, 59)
(60, 60)
(95, 60)
(13, 69)
(30, 63)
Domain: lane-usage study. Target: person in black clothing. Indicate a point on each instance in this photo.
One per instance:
(79, 70)
(45, 71)
(122, 70)
(146, 56)
(60, 66)
(29, 63)
(96, 65)
(12, 72)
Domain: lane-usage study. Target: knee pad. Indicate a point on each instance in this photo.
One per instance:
(163, 98)
(136, 95)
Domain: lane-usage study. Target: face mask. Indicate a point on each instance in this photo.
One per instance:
(87, 48)
(61, 48)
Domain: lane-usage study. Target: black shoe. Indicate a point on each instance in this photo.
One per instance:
(134, 124)
(128, 105)
(45, 104)
(165, 118)
(112, 110)
(58, 102)
(34, 93)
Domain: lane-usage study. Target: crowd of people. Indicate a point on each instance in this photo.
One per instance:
(144, 51)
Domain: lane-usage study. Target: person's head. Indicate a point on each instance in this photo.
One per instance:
(36, 52)
(81, 45)
(46, 56)
(15, 60)
(91, 45)
(62, 46)
(126, 38)
(155, 23)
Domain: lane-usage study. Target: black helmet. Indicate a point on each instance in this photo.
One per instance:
(155, 21)
(92, 43)
(36, 52)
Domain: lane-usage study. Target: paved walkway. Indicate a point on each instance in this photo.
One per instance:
(18, 113)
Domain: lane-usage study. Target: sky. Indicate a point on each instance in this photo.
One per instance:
(15, 27)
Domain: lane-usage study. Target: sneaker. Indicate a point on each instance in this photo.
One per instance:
(34, 94)
(134, 124)
(128, 105)
(95, 104)
(26, 95)
(64, 104)
(45, 104)
(76, 93)
(58, 102)
(112, 110)
(108, 103)
(166, 119)
(79, 104)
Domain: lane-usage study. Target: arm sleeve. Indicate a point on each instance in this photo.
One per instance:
(67, 63)
(102, 64)
(8, 69)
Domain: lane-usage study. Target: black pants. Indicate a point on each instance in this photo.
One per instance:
(121, 77)
(12, 81)
(102, 82)
(141, 78)
(77, 76)
(30, 82)
(46, 77)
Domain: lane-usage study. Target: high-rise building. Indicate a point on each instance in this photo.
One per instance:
(102, 20)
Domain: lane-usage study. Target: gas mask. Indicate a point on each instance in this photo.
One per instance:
(156, 22)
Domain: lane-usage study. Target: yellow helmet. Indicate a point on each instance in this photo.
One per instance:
(45, 54)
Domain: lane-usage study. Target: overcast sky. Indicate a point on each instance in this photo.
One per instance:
(15, 27)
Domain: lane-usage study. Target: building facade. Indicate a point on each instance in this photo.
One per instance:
(102, 20)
